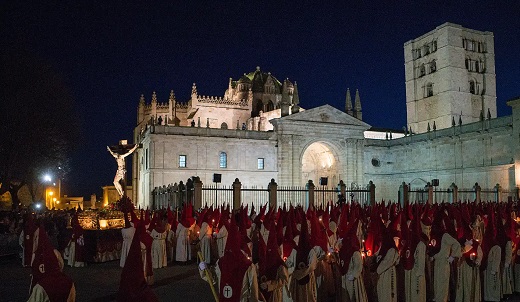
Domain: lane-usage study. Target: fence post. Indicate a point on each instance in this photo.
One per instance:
(310, 186)
(404, 194)
(237, 188)
(477, 189)
(197, 193)
(498, 193)
(430, 192)
(454, 193)
(372, 193)
(343, 189)
(273, 190)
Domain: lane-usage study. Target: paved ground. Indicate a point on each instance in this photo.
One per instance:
(99, 282)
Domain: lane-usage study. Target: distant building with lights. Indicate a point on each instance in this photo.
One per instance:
(257, 131)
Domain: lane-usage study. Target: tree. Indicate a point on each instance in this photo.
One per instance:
(38, 128)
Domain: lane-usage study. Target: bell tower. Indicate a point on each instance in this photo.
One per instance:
(449, 75)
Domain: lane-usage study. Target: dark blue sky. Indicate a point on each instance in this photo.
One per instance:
(110, 54)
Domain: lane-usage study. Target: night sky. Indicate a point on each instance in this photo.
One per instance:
(110, 54)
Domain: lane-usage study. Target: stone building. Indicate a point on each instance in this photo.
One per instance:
(257, 131)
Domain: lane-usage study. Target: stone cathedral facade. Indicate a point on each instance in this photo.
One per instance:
(257, 131)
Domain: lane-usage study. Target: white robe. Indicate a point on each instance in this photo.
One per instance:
(159, 249)
(507, 272)
(415, 279)
(221, 238)
(128, 236)
(205, 234)
(38, 294)
(386, 284)
(355, 289)
(491, 275)
(183, 248)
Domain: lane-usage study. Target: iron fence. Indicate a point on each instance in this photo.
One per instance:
(255, 196)
(217, 195)
(292, 195)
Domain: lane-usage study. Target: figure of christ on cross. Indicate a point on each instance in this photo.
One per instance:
(120, 173)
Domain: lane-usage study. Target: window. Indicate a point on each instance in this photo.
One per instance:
(473, 87)
(433, 66)
(223, 126)
(223, 160)
(376, 162)
(422, 70)
(182, 161)
(260, 164)
(428, 90)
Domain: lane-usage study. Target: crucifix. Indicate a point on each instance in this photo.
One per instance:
(119, 152)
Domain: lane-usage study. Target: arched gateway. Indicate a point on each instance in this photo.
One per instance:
(320, 142)
(320, 163)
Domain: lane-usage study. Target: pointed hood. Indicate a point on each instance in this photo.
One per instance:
(350, 245)
(133, 286)
(304, 245)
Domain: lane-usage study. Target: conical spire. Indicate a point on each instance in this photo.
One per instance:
(285, 103)
(172, 96)
(194, 90)
(357, 105)
(348, 103)
(141, 100)
(295, 99)
(154, 97)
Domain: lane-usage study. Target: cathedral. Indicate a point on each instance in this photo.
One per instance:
(257, 131)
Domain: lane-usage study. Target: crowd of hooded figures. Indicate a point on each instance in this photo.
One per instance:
(386, 252)
(338, 252)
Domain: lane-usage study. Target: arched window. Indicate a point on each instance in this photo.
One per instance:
(473, 87)
(433, 66)
(422, 70)
(223, 126)
(428, 90)
(223, 160)
(270, 106)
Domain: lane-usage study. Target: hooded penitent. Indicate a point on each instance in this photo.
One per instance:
(77, 236)
(272, 261)
(437, 232)
(303, 249)
(28, 236)
(233, 265)
(490, 239)
(46, 271)
(350, 244)
(133, 286)
(147, 240)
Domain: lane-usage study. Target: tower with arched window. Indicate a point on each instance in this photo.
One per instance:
(449, 75)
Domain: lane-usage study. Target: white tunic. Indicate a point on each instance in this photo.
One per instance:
(128, 236)
(159, 258)
(183, 248)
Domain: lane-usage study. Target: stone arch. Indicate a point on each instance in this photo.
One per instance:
(269, 106)
(320, 159)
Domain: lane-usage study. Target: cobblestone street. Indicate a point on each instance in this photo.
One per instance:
(100, 282)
